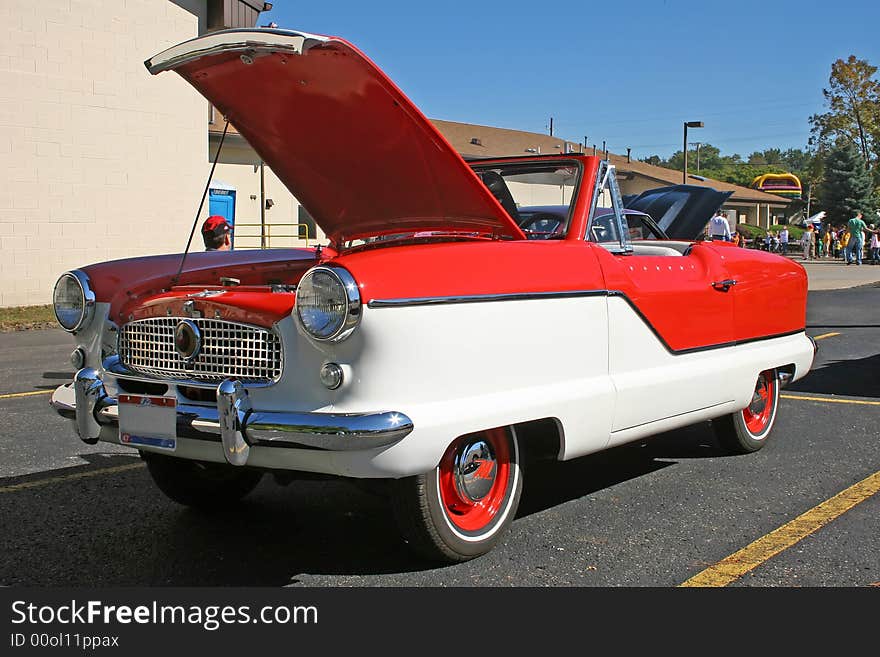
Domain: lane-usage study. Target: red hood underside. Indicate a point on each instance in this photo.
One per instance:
(359, 156)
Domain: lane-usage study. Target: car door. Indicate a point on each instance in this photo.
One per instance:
(669, 318)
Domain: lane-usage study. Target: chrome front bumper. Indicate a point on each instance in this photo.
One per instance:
(237, 424)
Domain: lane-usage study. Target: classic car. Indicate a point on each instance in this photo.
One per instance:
(406, 350)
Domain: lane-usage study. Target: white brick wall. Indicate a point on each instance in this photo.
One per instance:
(98, 159)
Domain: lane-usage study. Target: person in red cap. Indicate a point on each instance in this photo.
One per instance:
(217, 233)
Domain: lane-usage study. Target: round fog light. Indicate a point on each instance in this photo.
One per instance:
(331, 375)
(77, 358)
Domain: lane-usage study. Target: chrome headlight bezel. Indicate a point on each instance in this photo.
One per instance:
(352, 315)
(87, 299)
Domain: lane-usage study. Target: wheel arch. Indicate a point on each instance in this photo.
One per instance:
(540, 439)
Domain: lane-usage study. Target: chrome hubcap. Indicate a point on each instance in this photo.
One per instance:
(475, 471)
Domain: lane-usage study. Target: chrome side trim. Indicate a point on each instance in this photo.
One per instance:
(483, 298)
(251, 41)
(330, 431)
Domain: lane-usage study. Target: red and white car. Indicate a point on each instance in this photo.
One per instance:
(431, 344)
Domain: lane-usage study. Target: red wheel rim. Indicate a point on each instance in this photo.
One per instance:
(758, 414)
(474, 479)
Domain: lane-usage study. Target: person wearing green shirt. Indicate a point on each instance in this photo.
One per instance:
(857, 229)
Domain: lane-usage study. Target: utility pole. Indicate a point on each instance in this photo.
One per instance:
(684, 169)
(551, 126)
(698, 144)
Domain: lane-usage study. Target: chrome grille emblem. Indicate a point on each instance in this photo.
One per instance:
(187, 340)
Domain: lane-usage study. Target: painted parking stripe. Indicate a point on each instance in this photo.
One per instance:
(825, 335)
(26, 394)
(753, 555)
(38, 483)
(831, 400)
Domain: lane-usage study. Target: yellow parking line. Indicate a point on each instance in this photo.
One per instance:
(26, 394)
(77, 475)
(825, 335)
(753, 555)
(829, 400)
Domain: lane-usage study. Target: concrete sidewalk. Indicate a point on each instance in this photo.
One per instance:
(831, 274)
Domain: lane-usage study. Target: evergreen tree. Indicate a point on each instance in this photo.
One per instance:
(848, 186)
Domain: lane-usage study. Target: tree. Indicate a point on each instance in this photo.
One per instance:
(848, 187)
(853, 115)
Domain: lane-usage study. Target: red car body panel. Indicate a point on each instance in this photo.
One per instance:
(673, 295)
(473, 269)
(352, 148)
(126, 284)
(770, 292)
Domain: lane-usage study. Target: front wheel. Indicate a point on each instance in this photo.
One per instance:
(747, 430)
(201, 485)
(460, 509)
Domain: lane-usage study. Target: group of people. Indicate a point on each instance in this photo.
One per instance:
(847, 242)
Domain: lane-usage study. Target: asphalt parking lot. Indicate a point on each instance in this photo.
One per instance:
(804, 511)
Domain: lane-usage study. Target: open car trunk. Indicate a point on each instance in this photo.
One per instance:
(681, 211)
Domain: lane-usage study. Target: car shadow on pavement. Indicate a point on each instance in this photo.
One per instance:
(114, 528)
(117, 529)
(551, 483)
(852, 378)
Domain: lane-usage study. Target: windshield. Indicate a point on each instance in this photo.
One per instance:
(537, 195)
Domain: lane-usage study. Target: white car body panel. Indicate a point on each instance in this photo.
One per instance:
(472, 387)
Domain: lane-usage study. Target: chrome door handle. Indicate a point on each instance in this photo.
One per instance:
(725, 285)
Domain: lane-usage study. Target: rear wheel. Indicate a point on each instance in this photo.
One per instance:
(747, 430)
(460, 509)
(201, 485)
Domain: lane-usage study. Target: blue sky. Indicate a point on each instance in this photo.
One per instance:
(626, 72)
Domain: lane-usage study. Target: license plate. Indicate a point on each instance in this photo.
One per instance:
(148, 421)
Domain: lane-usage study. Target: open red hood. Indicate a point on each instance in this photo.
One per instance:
(346, 142)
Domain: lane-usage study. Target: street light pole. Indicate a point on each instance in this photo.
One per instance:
(684, 170)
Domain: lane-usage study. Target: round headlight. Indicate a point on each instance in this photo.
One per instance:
(328, 303)
(73, 300)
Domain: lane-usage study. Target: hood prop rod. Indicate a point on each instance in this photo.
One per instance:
(192, 232)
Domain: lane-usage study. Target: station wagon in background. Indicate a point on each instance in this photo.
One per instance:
(413, 349)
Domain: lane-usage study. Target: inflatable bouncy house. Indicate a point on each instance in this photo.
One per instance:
(786, 185)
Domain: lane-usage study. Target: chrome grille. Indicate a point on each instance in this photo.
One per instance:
(229, 350)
